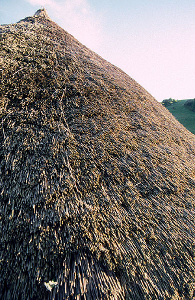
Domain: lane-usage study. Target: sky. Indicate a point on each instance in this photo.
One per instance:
(152, 41)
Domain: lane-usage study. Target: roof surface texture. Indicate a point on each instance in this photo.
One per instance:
(97, 179)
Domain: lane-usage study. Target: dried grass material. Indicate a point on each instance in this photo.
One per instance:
(97, 179)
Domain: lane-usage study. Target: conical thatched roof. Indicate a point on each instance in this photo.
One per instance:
(97, 179)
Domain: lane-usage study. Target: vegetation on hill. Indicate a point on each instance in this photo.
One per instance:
(168, 102)
(190, 104)
(183, 111)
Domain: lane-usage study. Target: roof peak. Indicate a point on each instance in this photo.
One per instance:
(42, 12)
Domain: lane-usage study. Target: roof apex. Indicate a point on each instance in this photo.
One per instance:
(42, 12)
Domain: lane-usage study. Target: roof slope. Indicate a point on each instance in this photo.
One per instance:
(97, 179)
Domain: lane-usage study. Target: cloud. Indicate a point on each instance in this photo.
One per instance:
(77, 17)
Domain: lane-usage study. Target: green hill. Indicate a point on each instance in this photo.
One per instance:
(185, 116)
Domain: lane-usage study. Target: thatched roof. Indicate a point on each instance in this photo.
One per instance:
(97, 179)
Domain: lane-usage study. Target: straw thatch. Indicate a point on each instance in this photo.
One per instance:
(97, 179)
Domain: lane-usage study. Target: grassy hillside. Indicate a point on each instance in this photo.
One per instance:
(183, 114)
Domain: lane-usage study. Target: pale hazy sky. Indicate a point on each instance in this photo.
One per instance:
(151, 40)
